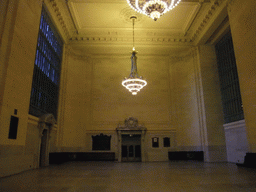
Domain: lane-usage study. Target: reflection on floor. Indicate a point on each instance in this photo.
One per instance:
(136, 177)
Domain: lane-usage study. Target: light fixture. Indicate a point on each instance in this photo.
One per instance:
(153, 8)
(134, 83)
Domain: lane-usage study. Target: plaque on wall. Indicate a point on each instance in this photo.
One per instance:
(155, 142)
(167, 142)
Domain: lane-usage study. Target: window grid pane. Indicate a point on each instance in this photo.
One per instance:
(45, 86)
(230, 90)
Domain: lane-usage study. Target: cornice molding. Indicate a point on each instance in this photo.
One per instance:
(230, 3)
(60, 11)
(54, 7)
(215, 5)
(187, 39)
(141, 41)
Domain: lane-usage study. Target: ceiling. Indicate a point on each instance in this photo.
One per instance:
(105, 26)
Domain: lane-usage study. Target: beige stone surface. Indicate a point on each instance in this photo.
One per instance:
(243, 27)
(181, 101)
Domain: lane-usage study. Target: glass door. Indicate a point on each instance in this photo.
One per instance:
(131, 147)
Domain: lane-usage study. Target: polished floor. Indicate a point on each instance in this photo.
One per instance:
(180, 176)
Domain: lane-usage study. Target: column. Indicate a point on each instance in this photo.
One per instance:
(242, 16)
(210, 106)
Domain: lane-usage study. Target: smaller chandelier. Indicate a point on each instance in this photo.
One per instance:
(134, 83)
(153, 8)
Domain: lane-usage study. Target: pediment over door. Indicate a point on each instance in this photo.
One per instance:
(131, 124)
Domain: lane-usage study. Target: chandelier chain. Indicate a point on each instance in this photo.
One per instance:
(133, 21)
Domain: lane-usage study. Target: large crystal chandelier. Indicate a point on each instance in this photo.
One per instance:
(153, 8)
(134, 83)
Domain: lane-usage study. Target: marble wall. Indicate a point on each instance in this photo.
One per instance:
(236, 141)
(181, 101)
(19, 31)
(243, 26)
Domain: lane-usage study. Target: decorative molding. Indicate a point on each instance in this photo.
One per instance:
(130, 123)
(235, 125)
(46, 121)
(161, 132)
(33, 120)
(141, 41)
(230, 3)
(93, 132)
(207, 18)
(127, 12)
(57, 12)
(64, 19)
(192, 18)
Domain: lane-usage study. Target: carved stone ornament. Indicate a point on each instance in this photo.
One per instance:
(46, 121)
(131, 123)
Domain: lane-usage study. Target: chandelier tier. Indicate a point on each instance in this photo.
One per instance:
(134, 83)
(153, 8)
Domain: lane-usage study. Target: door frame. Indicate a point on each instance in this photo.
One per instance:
(45, 126)
(131, 141)
(132, 127)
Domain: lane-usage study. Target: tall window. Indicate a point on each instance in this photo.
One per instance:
(230, 90)
(45, 86)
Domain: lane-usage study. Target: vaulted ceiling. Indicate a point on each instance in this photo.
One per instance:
(105, 25)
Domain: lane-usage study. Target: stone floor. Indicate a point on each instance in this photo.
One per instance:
(134, 177)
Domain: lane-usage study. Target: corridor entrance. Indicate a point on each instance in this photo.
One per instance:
(131, 147)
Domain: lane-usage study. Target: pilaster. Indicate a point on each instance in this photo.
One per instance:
(243, 26)
(210, 108)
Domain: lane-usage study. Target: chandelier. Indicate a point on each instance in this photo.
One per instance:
(134, 83)
(153, 8)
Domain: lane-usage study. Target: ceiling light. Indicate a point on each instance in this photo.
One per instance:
(153, 8)
(134, 83)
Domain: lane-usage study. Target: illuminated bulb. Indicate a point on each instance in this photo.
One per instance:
(147, 7)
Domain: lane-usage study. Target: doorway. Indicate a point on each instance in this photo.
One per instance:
(131, 147)
(43, 159)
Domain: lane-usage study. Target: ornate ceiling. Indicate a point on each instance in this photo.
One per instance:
(105, 26)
